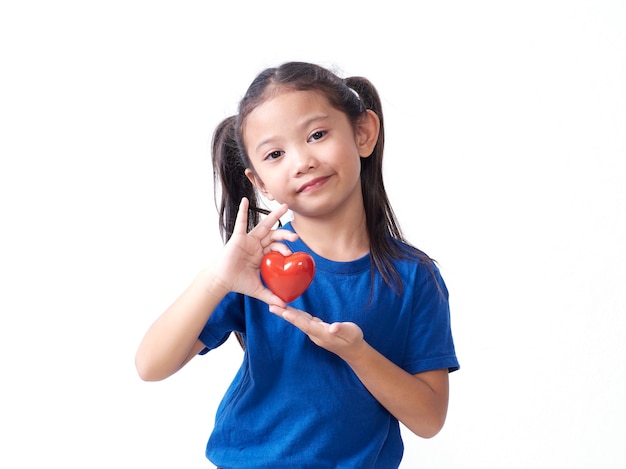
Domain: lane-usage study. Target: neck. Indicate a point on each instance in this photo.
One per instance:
(339, 239)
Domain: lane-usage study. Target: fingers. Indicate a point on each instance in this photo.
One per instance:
(273, 217)
(301, 319)
(316, 327)
(264, 228)
(280, 247)
(276, 236)
(283, 235)
(241, 222)
(266, 225)
(271, 299)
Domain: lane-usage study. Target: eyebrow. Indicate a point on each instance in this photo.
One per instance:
(303, 124)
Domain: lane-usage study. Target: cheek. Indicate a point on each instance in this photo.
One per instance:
(271, 185)
(352, 158)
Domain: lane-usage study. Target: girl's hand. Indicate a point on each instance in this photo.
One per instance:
(238, 268)
(344, 339)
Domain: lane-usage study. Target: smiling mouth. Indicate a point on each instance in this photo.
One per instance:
(313, 184)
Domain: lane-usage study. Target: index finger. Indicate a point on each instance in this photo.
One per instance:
(241, 221)
(266, 225)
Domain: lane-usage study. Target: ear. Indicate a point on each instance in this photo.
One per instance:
(367, 131)
(256, 182)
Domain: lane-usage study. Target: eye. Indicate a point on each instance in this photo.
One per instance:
(317, 135)
(274, 155)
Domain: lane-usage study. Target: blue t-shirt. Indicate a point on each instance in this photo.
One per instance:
(293, 404)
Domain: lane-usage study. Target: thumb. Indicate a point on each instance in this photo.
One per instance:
(347, 331)
(270, 298)
(335, 329)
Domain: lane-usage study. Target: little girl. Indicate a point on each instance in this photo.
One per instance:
(326, 378)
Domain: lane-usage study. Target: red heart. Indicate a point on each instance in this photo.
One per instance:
(289, 276)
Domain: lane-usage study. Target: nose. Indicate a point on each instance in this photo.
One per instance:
(303, 161)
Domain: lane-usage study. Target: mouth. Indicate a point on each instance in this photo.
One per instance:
(313, 184)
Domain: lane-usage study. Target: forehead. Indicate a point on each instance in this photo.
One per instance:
(288, 108)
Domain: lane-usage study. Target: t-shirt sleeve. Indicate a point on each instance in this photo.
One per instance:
(430, 345)
(227, 317)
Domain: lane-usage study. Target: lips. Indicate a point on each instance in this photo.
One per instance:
(312, 184)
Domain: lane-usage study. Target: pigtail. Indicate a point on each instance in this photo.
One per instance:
(377, 205)
(368, 95)
(230, 181)
(377, 202)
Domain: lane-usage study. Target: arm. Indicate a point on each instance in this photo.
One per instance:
(419, 401)
(172, 340)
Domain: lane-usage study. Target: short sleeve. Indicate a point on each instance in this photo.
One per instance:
(430, 345)
(227, 317)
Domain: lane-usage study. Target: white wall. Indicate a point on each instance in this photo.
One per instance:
(506, 161)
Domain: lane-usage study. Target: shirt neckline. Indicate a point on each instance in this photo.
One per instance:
(327, 265)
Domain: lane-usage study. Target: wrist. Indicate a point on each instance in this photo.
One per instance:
(359, 355)
(212, 283)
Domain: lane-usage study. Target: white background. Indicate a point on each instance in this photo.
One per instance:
(506, 161)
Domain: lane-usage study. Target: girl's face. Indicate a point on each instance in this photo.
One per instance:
(307, 154)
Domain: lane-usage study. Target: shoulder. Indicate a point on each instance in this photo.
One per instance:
(418, 267)
(407, 255)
